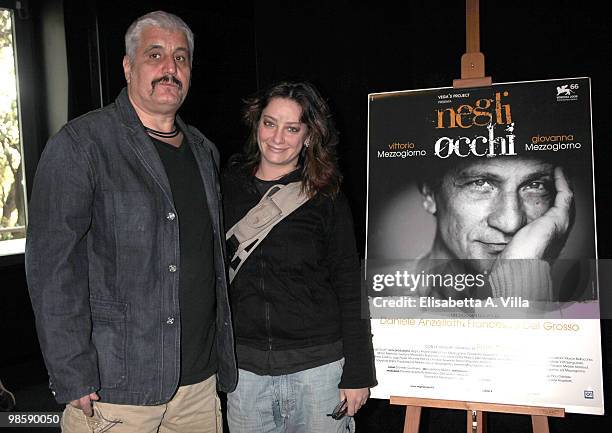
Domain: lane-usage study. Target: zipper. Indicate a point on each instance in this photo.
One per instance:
(263, 291)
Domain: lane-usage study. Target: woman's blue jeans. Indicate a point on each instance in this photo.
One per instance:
(290, 403)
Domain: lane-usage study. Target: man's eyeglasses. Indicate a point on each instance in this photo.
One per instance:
(339, 410)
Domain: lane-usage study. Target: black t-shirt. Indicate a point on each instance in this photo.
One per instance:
(196, 270)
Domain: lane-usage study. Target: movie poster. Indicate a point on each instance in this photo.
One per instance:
(481, 270)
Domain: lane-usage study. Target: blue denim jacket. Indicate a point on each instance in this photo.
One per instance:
(102, 258)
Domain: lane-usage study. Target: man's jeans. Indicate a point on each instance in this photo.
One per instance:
(291, 403)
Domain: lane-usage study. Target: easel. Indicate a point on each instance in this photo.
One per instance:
(476, 412)
(472, 62)
(473, 75)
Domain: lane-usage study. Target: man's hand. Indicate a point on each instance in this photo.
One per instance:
(355, 398)
(85, 403)
(544, 237)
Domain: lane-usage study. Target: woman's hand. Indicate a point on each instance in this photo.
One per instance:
(355, 398)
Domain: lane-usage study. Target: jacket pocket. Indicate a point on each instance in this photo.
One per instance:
(110, 340)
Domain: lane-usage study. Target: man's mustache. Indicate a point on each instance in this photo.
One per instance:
(167, 79)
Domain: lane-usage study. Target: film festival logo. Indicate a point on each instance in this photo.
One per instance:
(567, 92)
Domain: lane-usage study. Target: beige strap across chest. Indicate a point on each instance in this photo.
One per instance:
(278, 202)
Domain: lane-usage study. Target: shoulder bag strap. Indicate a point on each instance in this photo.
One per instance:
(278, 202)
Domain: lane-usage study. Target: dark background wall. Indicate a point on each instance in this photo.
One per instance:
(348, 50)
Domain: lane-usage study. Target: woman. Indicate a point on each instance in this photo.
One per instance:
(302, 347)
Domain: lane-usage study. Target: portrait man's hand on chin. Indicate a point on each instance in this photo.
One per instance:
(544, 237)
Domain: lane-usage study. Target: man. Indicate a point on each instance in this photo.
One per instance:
(503, 216)
(124, 255)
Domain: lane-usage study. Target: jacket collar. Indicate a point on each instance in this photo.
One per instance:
(144, 148)
(132, 121)
(127, 111)
(141, 144)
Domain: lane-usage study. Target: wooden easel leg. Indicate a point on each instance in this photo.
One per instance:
(476, 421)
(413, 419)
(539, 423)
(476, 413)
